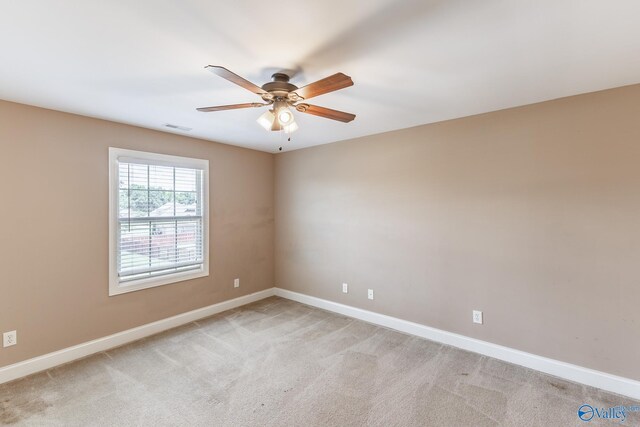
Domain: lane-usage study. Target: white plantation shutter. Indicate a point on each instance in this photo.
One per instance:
(160, 228)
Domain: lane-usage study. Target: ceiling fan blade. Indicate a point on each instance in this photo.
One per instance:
(329, 84)
(327, 113)
(234, 78)
(230, 107)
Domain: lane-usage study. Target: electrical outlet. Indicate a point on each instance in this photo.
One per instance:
(345, 288)
(477, 316)
(370, 293)
(236, 283)
(9, 338)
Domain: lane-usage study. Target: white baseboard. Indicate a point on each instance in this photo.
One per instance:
(47, 361)
(601, 380)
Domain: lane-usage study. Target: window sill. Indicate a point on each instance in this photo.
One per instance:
(117, 288)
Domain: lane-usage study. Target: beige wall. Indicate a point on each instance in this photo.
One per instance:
(54, 234)
(530, 214)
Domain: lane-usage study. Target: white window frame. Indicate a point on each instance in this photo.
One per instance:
(115, 286)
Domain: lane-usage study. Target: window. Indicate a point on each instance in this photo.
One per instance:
(158, 221)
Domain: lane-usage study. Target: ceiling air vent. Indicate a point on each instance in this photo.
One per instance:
(170, 126)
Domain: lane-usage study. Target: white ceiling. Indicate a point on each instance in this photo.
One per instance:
(412, 61)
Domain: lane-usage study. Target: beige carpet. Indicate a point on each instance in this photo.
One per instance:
(280, 363)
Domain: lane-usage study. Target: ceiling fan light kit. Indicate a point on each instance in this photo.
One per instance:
(283, 121)
(281, 95)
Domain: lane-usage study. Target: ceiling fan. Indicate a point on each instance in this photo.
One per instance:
(281, 94)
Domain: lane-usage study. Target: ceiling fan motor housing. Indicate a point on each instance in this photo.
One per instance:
(279, 87)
